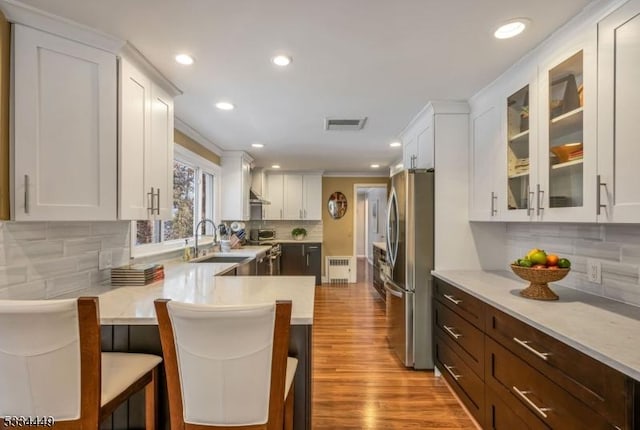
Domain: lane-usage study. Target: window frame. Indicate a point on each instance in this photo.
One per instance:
(202, 165)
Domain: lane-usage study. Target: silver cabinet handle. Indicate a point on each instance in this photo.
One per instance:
(305, 213)
(530, 205)
(280, 213)
(539, 202)
(494, 211)
(523, 396)
(451, 332)
(26, 194)
(599, 184)
(525, 345)
(158, 202)
(450, 370)
(307, 260)
(150, 196)
(452, 299)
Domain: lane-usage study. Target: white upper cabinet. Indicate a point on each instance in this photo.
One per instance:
(618, 120)
(65, 129)
(294, 197)
(484, 160)
(567, 143)
(274, 193)
(236, 182)
(145, 147)
(418, 141)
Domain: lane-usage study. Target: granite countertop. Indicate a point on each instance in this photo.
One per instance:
(381, 245)
(601, 328)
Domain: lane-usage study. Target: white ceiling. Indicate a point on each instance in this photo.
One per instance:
(383, 59)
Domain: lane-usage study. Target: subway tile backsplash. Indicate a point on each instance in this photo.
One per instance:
(616, 247)
(283, 228)
(41, 260)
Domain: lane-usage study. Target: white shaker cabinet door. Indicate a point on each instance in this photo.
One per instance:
(135, 138)
(160, 157)
(275, 190)
(65, 129)
(618, 125)
(312, 196)
(293, 189)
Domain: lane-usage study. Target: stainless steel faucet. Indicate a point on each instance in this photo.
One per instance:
(198, 230)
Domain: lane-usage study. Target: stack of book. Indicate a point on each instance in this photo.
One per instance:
(137, 274)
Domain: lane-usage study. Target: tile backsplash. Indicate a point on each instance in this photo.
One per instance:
(41, 260)
(283, 228)
(616, 247)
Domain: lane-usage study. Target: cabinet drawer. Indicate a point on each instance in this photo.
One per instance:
(460, 302)
(500, 416)
(467, 385)
(469, 340)
(550, 403)
(602, 388)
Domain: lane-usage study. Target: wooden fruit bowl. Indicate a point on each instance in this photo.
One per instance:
(539, 278)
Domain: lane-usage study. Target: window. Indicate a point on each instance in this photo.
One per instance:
(193, 200)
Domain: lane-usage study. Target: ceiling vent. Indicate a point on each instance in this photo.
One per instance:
(344, 124)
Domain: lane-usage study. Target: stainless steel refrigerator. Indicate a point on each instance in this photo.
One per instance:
(407, 278)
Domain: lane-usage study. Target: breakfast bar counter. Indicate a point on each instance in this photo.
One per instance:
(129, 324)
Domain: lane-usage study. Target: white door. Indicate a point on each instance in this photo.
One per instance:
(135, 135)
(65, 129)
(275, 196)
(425, 146)
(246, 184)
(293, 190)
(618, 120)
(312, 197)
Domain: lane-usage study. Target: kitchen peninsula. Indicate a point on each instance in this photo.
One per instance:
(129, 322)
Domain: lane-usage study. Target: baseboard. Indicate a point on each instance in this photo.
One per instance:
(437, 373)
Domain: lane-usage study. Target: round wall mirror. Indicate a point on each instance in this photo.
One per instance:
(337, 205)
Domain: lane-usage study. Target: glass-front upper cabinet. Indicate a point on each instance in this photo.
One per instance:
(566, 120)
(518, 151)
(567, 153)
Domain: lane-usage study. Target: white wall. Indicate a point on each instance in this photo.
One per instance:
(41, 260)
(376, 231)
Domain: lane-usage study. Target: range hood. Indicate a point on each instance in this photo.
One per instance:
(257, 199)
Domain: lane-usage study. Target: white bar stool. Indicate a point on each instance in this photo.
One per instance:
(227, 366)
(51, 365)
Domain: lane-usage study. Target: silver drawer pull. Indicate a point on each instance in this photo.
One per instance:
(451, 332)
(523, 395)
(452, 299)
(450, 370)
(525, 345)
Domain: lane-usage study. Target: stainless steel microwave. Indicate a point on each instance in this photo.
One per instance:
(262, 234)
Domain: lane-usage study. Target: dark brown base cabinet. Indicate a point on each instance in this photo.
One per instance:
(510, 375)
(302, 259)
(379, 258)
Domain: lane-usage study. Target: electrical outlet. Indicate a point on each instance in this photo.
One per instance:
(104, 260)
(594, 271)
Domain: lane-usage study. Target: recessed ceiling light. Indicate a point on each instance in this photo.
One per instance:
(375, 166)
(257, 145)
(399, 166)
(225, 106)
(184, 59)
(275, 166)
(281, 60)
(511, 28)
(395, 144)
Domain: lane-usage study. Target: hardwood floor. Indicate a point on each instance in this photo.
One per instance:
(357, 381)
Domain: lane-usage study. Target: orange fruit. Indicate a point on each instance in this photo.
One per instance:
(539, 266)
(552, 260)
(539, 257)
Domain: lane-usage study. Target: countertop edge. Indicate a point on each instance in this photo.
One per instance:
(595, 354)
